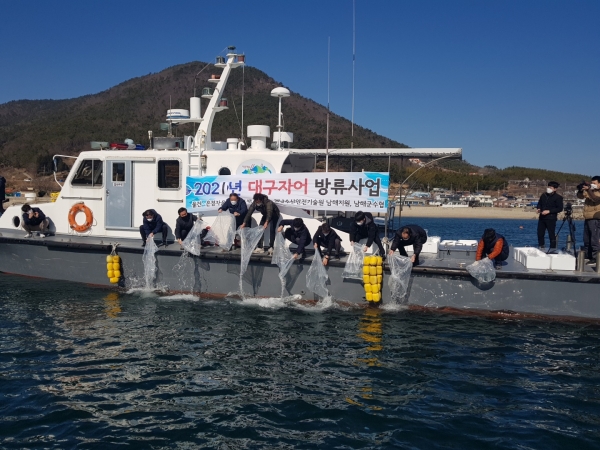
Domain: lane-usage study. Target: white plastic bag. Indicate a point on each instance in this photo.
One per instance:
(149, 260)
(224, 229)
(283, 258)
(354, 266)
(191, 243)
(400, 266)
(483, 270)
(250, 238)
(316, 277)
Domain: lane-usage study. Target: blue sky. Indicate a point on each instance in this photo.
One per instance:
(513, 82)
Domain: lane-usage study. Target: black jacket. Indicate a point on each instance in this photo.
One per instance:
(268, 209)
(155, 226)
(325, 241)
(367, 230)
(552, 203)
(240, 207)
(417, 238)
(34, 220)
(292, 235)
(184, 223)
(2, 188)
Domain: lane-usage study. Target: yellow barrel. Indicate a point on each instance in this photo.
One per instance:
(114, 280)
(379, 270)
(369, 296)
(110, 274)
(366, 279)
(376, 297)
(373, 279)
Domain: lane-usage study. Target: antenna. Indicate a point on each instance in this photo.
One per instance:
(280, 92)
(353, 64)
(243, 85)
(327, 140)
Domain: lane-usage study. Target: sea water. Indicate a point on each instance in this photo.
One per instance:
(91, 368)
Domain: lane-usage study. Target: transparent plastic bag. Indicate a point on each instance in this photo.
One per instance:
(316, 277)
(149, 260)
(283, 258)
(250, 238)
(354, 266)
(224, 229)
(192, 241)
(401, 267)
(483, 270)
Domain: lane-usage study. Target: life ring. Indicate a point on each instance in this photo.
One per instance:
(89, 217)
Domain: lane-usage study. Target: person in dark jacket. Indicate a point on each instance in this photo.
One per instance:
(548, 207)
(297, 233)
(183, 224)
(493, 245)
(153, 224)
(270, 217)
(409, 235)
(34, 220)
(236, 206)
(363, 227)
(2, 194)
(326, 237)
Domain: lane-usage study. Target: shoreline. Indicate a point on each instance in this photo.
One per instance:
(468, 213)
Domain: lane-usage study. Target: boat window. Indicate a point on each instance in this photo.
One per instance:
(224, 171)
(118, 171)
(168, 174)
(89, 173)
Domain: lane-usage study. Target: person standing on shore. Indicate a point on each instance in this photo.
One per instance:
(548, 207)
(591, 213)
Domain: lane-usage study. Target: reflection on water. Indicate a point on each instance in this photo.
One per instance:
(81, 367)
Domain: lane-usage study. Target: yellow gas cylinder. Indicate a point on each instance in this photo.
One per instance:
(369, 296)
(114, 280)
(376, 297)
(373, 279)
(379, 270)
(372, 270)
(366, 270)
(366, 279)
(368, 287)
(379, 278)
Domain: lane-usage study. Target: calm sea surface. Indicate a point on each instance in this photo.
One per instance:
(90, 368)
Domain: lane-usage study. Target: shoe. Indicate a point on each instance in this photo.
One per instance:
(164, 244)
(42, 235)
(259, 250)
(337, 257)
(144, 244)
(591, 262)
(28, 235)
(270, 251)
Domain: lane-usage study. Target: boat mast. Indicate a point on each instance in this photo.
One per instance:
(353, 65)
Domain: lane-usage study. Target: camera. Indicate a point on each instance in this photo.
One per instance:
(568, 209)
(581, 185)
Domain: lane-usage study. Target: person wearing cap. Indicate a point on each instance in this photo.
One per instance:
(548, 207)
(492, 245)
(591, 214)
(409, 235)
(364, 227)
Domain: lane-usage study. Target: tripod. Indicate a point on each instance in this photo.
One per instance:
(568, 218)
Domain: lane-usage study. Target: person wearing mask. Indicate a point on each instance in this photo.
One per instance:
(327, 238)
(236, 206)
(363, 227)
(409, 235)
(34, 220)
(548, 207)
(184, 224)
(2, 194)
(591, 214)
(296, 233)
(492, 245)
(270, 217)
(153, 224)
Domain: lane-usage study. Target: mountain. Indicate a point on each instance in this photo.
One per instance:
(31, 131)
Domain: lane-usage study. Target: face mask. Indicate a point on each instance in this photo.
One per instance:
(362, 222)
(297, 229)
(233, 202)
(549, 190)
(325, 234)
(593, 186)
(259, 205)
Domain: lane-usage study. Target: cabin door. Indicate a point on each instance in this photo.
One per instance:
(118, 194)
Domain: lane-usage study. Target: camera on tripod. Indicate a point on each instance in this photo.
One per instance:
(581, 185)
(568, 209)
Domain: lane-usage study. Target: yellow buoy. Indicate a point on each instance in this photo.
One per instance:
(368, 288)
(376, 297)
(114, 280)
(372, 270)
(116, 266)
(379, 270)
(117, 273)
(377, 288)
(366, 279)
(379, 260)
(373, 279)
(369, 296)
(366, 270)
(109, 266)
(379, 278)
(109, 258)
(110, 274)
(116, 259)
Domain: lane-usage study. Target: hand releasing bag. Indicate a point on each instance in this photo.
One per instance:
(224, 229)
(149, 260)
(400, 266)
(250, 238)
(316, 277)
(483, 271)
(192, 241)
(354, 266)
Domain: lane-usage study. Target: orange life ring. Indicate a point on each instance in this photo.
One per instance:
(89, 217)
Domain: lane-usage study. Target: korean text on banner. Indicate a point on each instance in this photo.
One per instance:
(341, 191)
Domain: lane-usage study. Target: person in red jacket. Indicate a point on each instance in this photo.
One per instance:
(492, 245)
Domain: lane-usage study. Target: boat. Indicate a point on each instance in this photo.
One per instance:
(112, 187)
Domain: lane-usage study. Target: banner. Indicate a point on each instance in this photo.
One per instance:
(335, 191)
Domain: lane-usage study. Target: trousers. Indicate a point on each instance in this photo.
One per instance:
(544, 225)
(591, 237)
